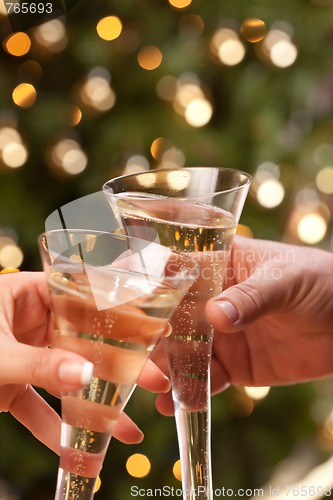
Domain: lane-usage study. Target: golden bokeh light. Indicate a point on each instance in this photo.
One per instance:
(98, 484)
(8, 270)
(177, 470)
(11, 256)
(324, 180)
(191, 25)
(18, 44)
(138, 465)
(150, 57)
(24, 95)
(109, 28)
(253, 29)
(180, 4)
(312, 228)
(166, 88)
(158, 147)
(75, 115)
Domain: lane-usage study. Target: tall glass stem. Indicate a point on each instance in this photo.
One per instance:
(193, 429)
(189, 362)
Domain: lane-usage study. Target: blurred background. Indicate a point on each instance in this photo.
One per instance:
(118, 87)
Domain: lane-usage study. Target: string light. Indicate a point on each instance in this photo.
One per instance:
(109, 28)
(270, 193)
(51, 35)
(138, 465)
(324, 180)
(257, 393)
(24, 95)
(149, 57)
(177, 471)
(180, 4)
(18, 44)
(312, 228)
(253, 29)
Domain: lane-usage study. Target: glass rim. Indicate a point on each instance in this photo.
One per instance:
(248, 179)
(186, 256)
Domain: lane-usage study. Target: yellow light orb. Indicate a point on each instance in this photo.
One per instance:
(98, 484)
(177, 472)
(150, 57)
(18, 44)
(231, 52)
(24, 95)
(253, 29)
(109, 28)
(8, 270)
(180, 4)
(138, 465)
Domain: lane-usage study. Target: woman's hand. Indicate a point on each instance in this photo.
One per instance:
(26, 361)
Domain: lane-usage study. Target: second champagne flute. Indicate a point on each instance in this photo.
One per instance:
(111, 298)
(194, 210)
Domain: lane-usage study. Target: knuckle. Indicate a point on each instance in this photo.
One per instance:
(37, 367)
(252, 297)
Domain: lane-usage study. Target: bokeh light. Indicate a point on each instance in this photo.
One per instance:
(191, 26)
(11, 256)
(150, 57)
(51, 35)
(96, 92)
(312, 228)
(136, 163)
(257, 393)
(177, 471)
(270, 193)
(67, 157)
(180, 4)
(109, 28)
(198, 112)
(324, 180)
(138, 465)
(24, 95)
(18, 44)
(253, 29)
(227, 47)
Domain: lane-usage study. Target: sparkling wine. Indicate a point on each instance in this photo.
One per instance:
(117, 340)
(208, 241)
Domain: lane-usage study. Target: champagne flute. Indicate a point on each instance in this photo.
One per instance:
(111, 297)
(194, 210)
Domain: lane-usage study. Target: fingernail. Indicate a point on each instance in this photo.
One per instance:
(167, 385)
(229, 310)
(74, 372)
(140, 437)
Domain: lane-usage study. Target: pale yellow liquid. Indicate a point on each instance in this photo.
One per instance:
(206, 234)
(117, 340)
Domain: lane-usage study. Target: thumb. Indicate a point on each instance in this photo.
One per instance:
(245, 302)
(52, 369)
